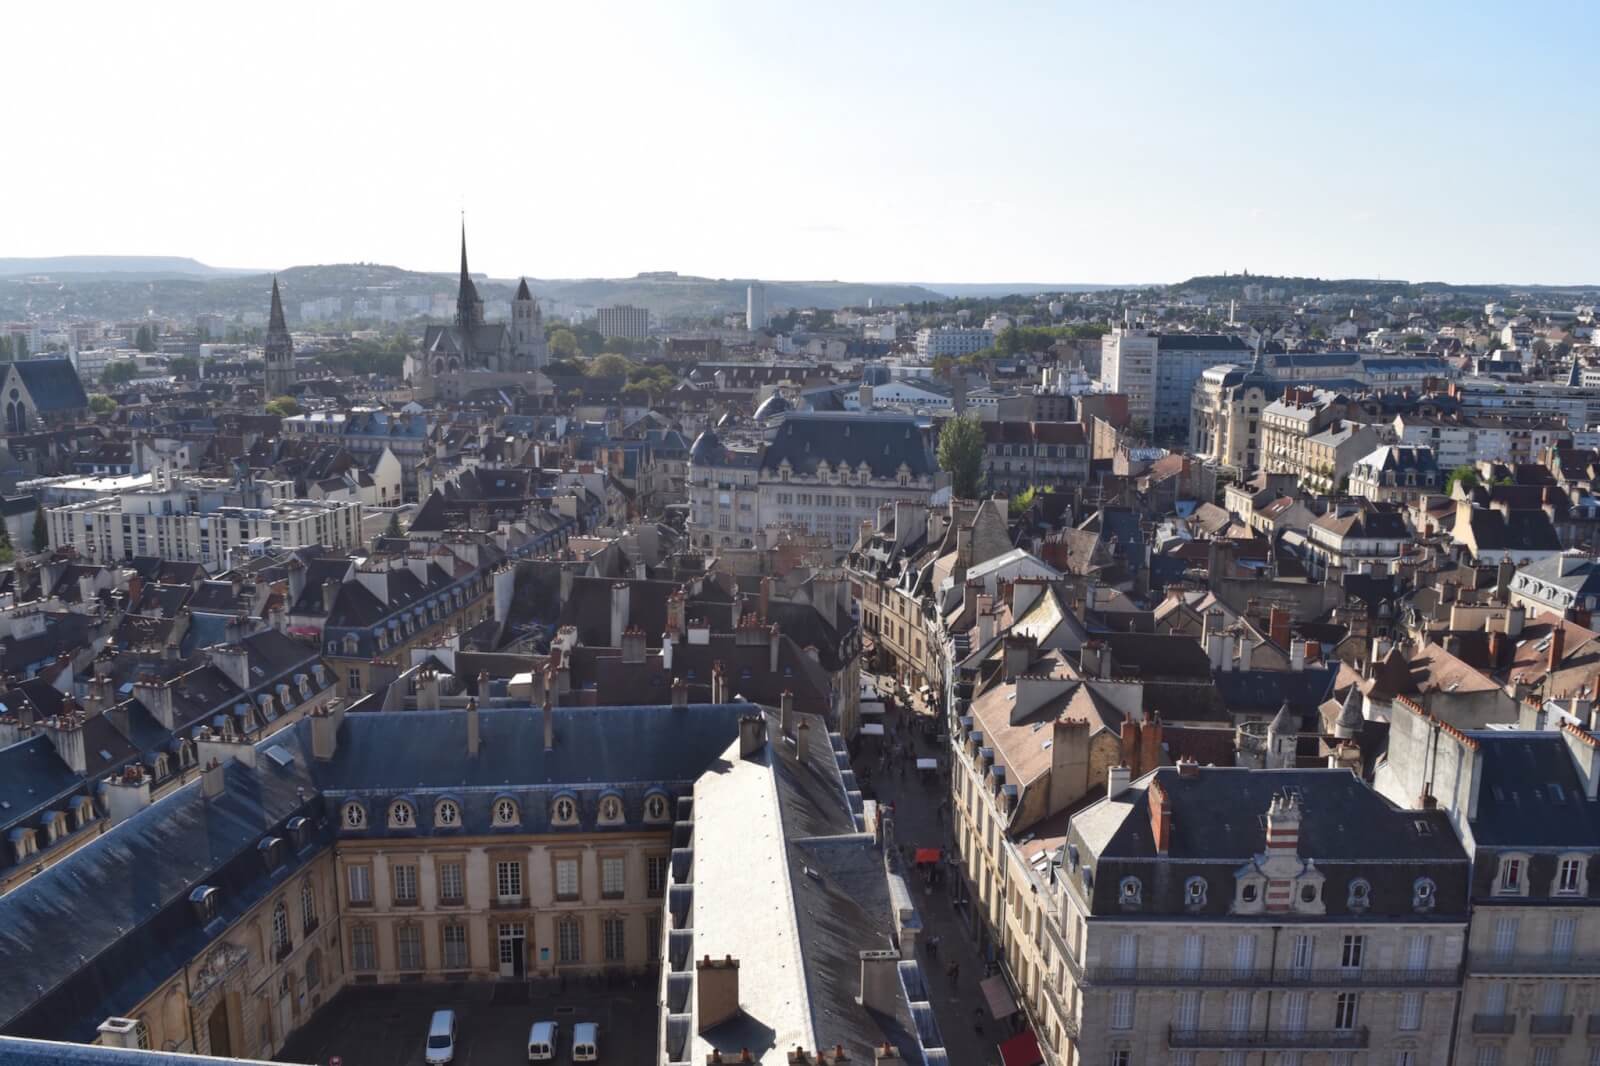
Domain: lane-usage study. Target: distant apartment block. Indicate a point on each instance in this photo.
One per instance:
(953, 342)
(623, 321)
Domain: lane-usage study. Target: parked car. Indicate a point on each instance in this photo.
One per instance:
(441, 1037)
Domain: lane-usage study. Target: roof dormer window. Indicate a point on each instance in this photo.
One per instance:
(506, 811)
(611, 810)
(355, 816)
(447, 815)
(564, 811)
(1423, 894)
(1360, 895)
(401, 816)
(1512, 877)
(1130, 893)
(655, 807)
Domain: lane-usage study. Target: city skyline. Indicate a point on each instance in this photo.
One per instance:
(897, 144)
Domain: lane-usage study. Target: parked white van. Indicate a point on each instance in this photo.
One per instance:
(542, 1040)
(586, 1042)
(441, 1037)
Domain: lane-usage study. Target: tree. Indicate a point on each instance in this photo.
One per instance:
(19, 347)
(119, 372)
(609, 365)
(41, 529)
(184, 367)
(1464, 474)
(961, 455)
(393, 528)
(283, 407)
(144, 339)
(102, 404)
(563, 344)
(8, 551)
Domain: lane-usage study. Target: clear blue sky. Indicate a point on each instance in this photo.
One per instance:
(865, 141)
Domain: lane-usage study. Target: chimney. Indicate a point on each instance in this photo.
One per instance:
(666, 651)
(620, 593)
(1558, 641)
(1018, 654)
(472, 727)
(1160, 817)
(802, 740)
(127, 793)
(212, 782)
(297, 580)
(1278, 627)
(1297, 655)
(156, 695)
(765, 602)
(786, 714)
(1188, 768)
(880, 981)
(549, 724)
(676, 606)
(773, 644)
(716, 991)
(325, 722)
(719, 683)
(752, 734)
(1247, 648)
(963, 552)
(1117, 779)
(633, 645)
(330, 592)
(66, 733)
(680, 692)
(1283, 826)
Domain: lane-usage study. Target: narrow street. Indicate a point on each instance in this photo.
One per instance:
(969, 1033)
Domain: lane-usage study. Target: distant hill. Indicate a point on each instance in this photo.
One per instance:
(956, 290)
(133, 266)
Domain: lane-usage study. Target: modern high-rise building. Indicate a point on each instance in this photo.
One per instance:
(623, 321)
(755, 307)
(1158, 372)
(952, 341)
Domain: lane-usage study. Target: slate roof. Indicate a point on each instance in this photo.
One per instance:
(53, 384)
(883, 441)
(1530, 794)
(18, 1052)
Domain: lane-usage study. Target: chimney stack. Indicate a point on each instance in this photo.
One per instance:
(1278, 627)
(620, 596)
(472, 728)
(680, 692)
(1558, 641)
(212, 782)
(1160, 817)
(752, 734)
(786, 713)
(716, 991)
(1117, 780)
(549, 723)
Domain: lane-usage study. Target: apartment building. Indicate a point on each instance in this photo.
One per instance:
(1158, 372)
(623, 321)
(1396, 473)
(1234, 917)
(1524, 804)
(723, 496)
(1225, 421)
(1470, 440)
(1020, 455)
(952, 342)
(1350, 538)
(199, 520)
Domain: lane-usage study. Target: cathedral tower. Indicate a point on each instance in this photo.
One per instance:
(527, 330)
(279, 350)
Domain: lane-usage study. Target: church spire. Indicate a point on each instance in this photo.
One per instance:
(466, 279)
(275, 319)
(469, 311)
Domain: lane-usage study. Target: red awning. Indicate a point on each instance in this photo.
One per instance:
(1021, 1050)
(927, 855)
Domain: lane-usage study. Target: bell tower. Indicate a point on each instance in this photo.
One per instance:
(279, 350)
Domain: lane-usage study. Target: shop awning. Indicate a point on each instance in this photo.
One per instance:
(924, 855)
(872, 729)
(1001, 1005)
(1021, 1050)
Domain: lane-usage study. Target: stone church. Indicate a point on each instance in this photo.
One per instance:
(471, 354)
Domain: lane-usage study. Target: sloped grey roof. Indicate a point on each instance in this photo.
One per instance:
(53, 384)
(884, 442)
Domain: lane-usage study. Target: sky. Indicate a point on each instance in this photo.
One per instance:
(878, 141)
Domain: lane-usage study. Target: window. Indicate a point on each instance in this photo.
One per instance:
(455, 946)
(404, 875)
(447, 815)
(280, 929)
(355, 681)
(1544, 1055)
(1194, 892)
(614, 934)
(656, 867)
(505, 812)
(1405, 1058)
(569, 941)
(508, 880)
(1563, 931)
(1187, 1013)
(566, 879)
(655, 808)
(1308, 893)
(1354, 946)
(1488, 1055)
(1294, 1012)
(355, 816)
(1510, 876)
(400, 815)
(1553, 1001)
(1239, 1011)
(1417, 948)
(363, 948)
(1505, 937)
(1569, 879)
(611, 877)
(408, 947)
(1423, 893)
(565, 811)
(611, 810)
(1244, 953)
(1248, 891)
(450, 883)
(1345, 1009)
(1122, 1008)
(1360, 894)
(1494, 999)
(313, 970)
(1120, 1057)
(308, 907)
(1127, 952)
(1194, 952)
(1130, 892)
(359, 883)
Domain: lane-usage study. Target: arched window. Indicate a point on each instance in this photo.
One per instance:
(611, 810)
(400, 815)
(447, 815)
(565, 811)
(1423, 894)
(1130, 892)
(655, 808)
(308, 906)
(505, 812)
(313, 970)
(280, 930)
(1194, 892)
(1360, 894)
(355, 816)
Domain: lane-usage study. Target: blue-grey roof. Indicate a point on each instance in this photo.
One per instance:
(18, 1052)
(53, 384)
(32, 776)
(882, 441)
(1530, 794)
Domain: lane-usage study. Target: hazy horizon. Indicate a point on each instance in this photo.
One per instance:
(736, 140)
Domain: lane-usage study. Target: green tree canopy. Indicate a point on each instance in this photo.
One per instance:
(184, 367)
(563, 344)
(961, 455)
(41, 529)
(144, 338)
(1464, 474)
(283, 407)
(393, 528)
(609, 364)
(119, 372)
(102, 404)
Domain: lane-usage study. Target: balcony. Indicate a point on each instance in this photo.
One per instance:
(1269, 1039)
(1540, 963)
(1550, 1024)
(1494, 1024)
(1231, 978)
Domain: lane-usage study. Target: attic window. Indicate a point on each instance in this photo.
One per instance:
(355, 816)
(1423, 894)
(564, 811)
(655, 808)
(1360, 894)
(1194, 892)
(1130, 892)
